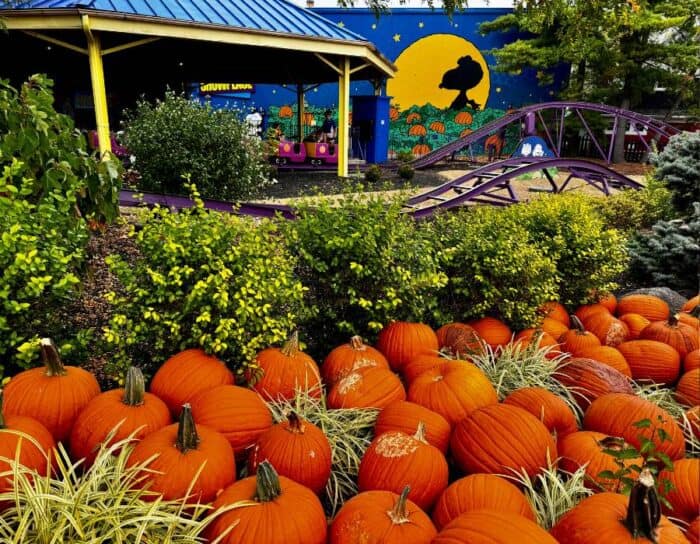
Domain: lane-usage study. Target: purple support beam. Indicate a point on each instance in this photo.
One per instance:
(546, 130)
(612, 139)
(561, 132)
(590, 133)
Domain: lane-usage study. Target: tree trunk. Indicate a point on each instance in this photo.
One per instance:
(619, 144)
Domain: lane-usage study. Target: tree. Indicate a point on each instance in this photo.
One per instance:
(618, 49)
(450, 7)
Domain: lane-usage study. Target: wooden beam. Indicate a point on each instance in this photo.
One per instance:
(56, 41)
(129, 45)
(99, 91)
(343, 117)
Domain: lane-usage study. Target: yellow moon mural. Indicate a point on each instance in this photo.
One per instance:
(423, 66)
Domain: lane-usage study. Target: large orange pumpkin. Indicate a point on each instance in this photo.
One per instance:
(393, 113)
(437, 126)
(286, 112)
(492, 527)
(691, 361)
(405, 416)
(287, 370)
(609, 330)
(690, 318)
(691, 303)
(585, 311)
(453, 390)
(236, 412)
(608, 355)
(616, 413)
(279, 511)
(493, 331)
(692, 533)
(400, 341)
(588, 379)
(464, 118)
(554, 327)
(458, 339)
(555, 310)
(550, 409)
(578, 338)
(394, 460)
(54, 395)
(366, 388)
(124, 412)
(688, 388)
(649, 306)
(183, 455)
(613, 518)
(542, 340)
(422, 363)
(420, 149)
(417, 130)
(684, 494)
(500, 437)
(413, 116)
(349, 357)
(381, 517)
(480, 492)
(187, 374)
(651, 360)
(635, 323)
(681, 337)
(609, 301)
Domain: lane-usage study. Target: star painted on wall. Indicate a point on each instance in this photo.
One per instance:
(421, 24)
(341, 24)
(374, 26)
(397, 37)
(498, 89)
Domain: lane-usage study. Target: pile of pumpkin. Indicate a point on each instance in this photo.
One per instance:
(442, 440)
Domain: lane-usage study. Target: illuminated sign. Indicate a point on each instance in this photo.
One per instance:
(221, 88)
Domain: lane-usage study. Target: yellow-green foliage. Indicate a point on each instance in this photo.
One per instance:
(631, 211)
(219, 281)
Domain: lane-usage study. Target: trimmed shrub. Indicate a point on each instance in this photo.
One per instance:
(177, 137)
(631, 211)
(373, 174)
(405, 172)
(679, 166)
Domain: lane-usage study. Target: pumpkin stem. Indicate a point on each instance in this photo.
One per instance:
(51, 358)
(2, 417)
(134, 387)
(357, 344)
(673, 320)
(420, 433)
(291, 347)
(614, 443)
(577, 324)
(296, 424)
(644, 511)
(267, 483)
(187, 438)
(399, 514)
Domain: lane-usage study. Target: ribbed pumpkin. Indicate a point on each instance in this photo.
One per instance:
(588, 379)
(423, 363)
(612, 518)
(54, 394)
(182, 451)
(393, 113)
(693, 417)
(609, 330)
(492, 527)
(185, 375)
(480, 492)
(459, 339)
(688, 388)
(587, 310)
(465, 132)
(417, 130)
(420, 149)
(236, 412)
(690, 305)
(453, 390)
(608, 355)
(609, 301)
(497, 438)
(578, 338)
(413, 116)
(684, 495)
(286, 370)
(691, 361)
(366, 388)
(635, 323)
(437, 126)
(554, 327)
(405, 416)
(492, 331)
(542, 340)
(281, 512)
(394, 460)
(651, 360)
(690, 318)
(297, 449)
(286, 112)
(555, 310)
(39, 456)
(585, 448)
(649, 306)
(124, 411)
(692, 533)
(681, 337)
(381, 517)
(351, 356)
(615, 413)
(550, 409)
(464, 118)
(400, 341)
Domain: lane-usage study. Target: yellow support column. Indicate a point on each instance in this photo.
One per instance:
(300, 111)
(99, 92)
(343, 117)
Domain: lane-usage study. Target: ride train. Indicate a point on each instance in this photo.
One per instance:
(314, 153)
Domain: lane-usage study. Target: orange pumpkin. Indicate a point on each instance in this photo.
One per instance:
(420, 149)
(615, 413)
(493, 331)
(366, 388)
(635, 323)
(578, 338)
(405, 416)
(420, 364)
(582, 312)
(286, 112)
(393, 113)
(693, 417)
(690, 318)
(458, 339)
(238, 413)
(413, 116)
(309, 119)
(543, 340)
(555, 310)
(465, 132)
(124, 412)
(609, 330)
(688, 388)
(286, 370)
(651, 360)
(692, 533)
(187, 374)
(554, 327)
(453, 390)
(651, 307)
(54, 395)
(684, 494)
(613, 518)
(691, 361)
(608, 355)
(400, 341)
(417, 130)
(691, 304)
(278, 511)
(492, 527)
(609, 301)
(349, 357)
(680, 336)
(550, 409)
(181, 453)
(394, 460)
(500, 437)
(480, 492)
(298, 449)
(375, 517)
(464, 118)
(437, 126)
(587, 449)
(588, 379)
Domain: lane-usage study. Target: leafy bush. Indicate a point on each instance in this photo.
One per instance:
(669, 255)
(679, 166)
(203, 279)
(404, 156)
(364, 263)
(494, 266)
(373, 174)
(406, 172)
(631, 211)
(176, 137)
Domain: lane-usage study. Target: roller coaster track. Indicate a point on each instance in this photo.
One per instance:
(554, 136)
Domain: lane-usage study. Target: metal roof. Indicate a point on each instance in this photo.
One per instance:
(279, 16)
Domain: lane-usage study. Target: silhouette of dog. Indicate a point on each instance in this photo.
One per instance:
(467, 75)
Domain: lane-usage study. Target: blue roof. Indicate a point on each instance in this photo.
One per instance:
(280, 16)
